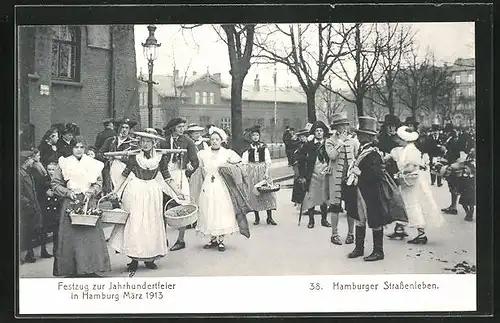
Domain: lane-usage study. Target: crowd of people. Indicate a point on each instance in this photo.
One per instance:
(143, 173)
(373, 174)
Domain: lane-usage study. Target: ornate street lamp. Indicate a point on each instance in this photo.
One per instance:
(151, 51)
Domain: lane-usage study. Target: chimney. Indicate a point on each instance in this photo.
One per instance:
(194, 73)
(256, 83)
(217, 77)
(176, 74)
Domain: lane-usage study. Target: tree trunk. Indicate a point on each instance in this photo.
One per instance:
(359, 103)
(390, 97)
(311, 106)
(236, 115)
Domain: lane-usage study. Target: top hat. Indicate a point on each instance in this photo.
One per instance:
(107, 121)
(194, 127)
(322, 125)
(448, 128)
(148, 133)
(339, 119)
(367, 125)
(127, 121)
(391, 120)
(174, 123)
(411, 120)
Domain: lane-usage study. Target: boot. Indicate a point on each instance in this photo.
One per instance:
(324, 213)
(30, 256)
(359, 248)
(378, 249)
(257, 218)
(399, 232)
(44, 253)
(310, 225)
(270, 220)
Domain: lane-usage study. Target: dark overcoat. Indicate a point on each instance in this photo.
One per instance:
(30, 211)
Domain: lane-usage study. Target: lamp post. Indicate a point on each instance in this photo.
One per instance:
(150, 50)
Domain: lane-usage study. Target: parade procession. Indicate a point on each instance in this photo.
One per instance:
(187, 177)
(298, 169)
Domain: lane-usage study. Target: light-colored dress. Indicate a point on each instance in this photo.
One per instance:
(196, 179)
(143, 237)
(419, 203)
(255, 172)
(216, 212)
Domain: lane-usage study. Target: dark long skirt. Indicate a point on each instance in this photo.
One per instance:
(467, 190)
(81, 249)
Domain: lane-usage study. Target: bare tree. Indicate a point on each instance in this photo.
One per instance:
(329, 104)
(399, 39)
(437, 84)
(364, 46)
(309, 53)
(411, 82)
(239, 39)
(372, 107)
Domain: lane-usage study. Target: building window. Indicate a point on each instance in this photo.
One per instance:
(458, 92)
(457, 78)
(204, 97)
(470, 78)
(205, 120)
(212, 98)
(225, 123)
(65, 53)
(471, 91)
(197, 98)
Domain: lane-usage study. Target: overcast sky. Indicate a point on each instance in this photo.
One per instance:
(201, 49)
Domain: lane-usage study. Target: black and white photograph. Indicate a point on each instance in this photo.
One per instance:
(157, 152)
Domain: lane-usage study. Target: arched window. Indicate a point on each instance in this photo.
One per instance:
(66, 53)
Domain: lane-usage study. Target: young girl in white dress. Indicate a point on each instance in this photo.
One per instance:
(217, 216)
(419, 203)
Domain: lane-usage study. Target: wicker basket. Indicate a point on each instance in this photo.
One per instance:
(269, 189)
(84, 219)
(115, 216)
(180, 216)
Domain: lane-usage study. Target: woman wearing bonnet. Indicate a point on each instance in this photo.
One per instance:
(217, 216)
(419, 203)
(143, 237)
(81, 250)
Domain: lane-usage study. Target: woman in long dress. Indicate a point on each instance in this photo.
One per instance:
(217, 216)
(81, 250)
(258, 160)
(143, 237)
(419, 202)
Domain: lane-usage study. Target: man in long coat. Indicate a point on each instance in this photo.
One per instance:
(182, 166)
(434, 148)
(371, 197)
(341, 152)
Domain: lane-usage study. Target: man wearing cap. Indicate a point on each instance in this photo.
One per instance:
(366, 193)
(108, 132)
(181, 165)
(64, 145)
(30, 211)
(341, 152)
(434, 148)
(452, 148)
(114, 166)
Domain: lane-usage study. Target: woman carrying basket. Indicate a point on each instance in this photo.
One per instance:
(81, 250)
(143, 237)
(258, 159)
(417, 197)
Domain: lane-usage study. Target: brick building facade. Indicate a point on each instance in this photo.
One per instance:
(205, 99)
(78, 74)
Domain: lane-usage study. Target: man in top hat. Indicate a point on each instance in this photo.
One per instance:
(114, 166)
(181, 165)
(434, 148)
(65, 143)
(30, 211)
(452, 149)
(365, 192)
(108, 132)
(341, 152)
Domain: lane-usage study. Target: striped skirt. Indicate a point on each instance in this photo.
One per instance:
(264, 201)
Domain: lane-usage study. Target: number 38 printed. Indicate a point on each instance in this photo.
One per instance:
(315, 286)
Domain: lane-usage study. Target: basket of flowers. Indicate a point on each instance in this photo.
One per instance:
(181, 215)
(267, 186)
(114, 216)
(81, 215)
